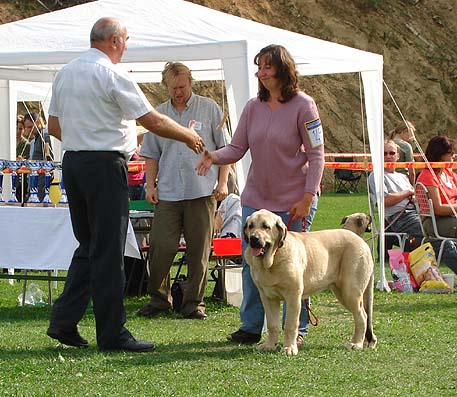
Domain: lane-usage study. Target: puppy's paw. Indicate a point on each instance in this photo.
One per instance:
(372, 344)
(267, 347)
(354, 346)
(290, 351)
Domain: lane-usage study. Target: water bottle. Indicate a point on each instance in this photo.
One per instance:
(33, 296)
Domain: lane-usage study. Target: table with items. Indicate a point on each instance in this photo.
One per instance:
(41, 238)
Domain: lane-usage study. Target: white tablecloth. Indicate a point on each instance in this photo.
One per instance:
(42, 238)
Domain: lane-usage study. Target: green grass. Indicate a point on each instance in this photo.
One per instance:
(332, 207)
(416, 354)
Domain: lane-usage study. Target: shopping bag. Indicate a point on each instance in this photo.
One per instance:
(425, 270)
(399, 271)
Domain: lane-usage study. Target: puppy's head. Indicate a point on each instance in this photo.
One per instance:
(359, 223)
(264, 232)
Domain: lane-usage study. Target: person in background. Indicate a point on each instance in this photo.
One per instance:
(228, 217)
(400, 210)
(442, 186)
(35, 131)
(22, 143)
(40, 144)
(402, 136)
(19, 126)
(284, 176)
(93, 110)
(22, 153)
(185, 203)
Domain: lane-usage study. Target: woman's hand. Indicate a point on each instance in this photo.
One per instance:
(205, 163)
(302, 208)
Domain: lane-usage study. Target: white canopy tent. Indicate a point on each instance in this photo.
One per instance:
(213, 44)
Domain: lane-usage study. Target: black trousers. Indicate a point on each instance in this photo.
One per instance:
(97, 191)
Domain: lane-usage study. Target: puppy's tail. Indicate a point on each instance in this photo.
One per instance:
(368, 295)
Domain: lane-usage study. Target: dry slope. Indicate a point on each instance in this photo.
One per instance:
(416, 38)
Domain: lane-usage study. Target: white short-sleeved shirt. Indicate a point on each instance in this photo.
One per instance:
(177, 178)
(394, 182)
(97, 104)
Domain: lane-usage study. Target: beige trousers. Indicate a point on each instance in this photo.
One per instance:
(195, 219)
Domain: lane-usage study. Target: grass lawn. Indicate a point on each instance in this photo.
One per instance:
(416, 354)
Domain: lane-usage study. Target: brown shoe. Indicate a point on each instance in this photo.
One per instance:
(197, 315)
(150, 311)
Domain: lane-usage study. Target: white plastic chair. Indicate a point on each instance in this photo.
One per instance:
(401, 237)
(424, 207)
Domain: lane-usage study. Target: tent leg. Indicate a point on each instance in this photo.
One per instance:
(382, 284)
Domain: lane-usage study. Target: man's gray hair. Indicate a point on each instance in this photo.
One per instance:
(104, 28)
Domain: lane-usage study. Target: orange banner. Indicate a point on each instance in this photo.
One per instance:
(138, 166)
(369, 165)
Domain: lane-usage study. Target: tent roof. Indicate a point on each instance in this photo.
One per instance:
(162, 30)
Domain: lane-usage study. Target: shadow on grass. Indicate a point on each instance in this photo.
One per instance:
(26, 313)
(414, 306)
(165, 353)
(31, 313)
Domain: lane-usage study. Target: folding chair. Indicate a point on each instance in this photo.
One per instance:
(346, 181)
(399, 237)
(425, 210)
(141, 214)
(227, 253)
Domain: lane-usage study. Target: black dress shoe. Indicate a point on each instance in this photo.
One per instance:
(131, 345)
(197, 315)
(243, 337)
(67, 338)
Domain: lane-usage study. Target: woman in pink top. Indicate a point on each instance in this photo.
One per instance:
(442, 186)
(282, 129)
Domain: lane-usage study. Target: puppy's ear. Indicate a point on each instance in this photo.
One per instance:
(368, 229)
(359, 221)
(245, 235)
(282, 233)
(343, 221)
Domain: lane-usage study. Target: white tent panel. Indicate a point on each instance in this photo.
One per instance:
(34, 49)
(32, 91)
(168, 26)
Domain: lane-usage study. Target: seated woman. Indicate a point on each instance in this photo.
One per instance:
(442, 186)
(228, 217)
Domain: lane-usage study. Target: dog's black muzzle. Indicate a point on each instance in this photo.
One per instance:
(255, 242)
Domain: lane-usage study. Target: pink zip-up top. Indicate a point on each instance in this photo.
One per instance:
(281, 171)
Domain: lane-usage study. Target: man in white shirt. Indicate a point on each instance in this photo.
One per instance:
(400, 212)
(93, 110)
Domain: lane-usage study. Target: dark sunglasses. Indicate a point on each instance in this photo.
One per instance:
(390, 153)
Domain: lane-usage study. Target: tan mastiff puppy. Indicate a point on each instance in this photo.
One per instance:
(359, 223)
(292, 266)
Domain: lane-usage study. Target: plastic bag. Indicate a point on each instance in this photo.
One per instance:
(33, 296)
(425, 270)
(399, 271)
(408, 268)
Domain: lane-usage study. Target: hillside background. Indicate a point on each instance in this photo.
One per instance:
(416, 38)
